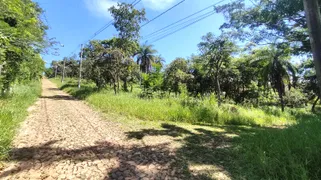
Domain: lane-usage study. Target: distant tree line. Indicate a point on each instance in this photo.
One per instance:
(261, 72)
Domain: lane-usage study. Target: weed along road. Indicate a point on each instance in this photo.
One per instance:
(63, 138)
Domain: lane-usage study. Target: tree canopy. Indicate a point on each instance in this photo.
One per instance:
(22, 38)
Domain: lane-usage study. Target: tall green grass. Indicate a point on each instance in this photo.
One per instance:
(291, 153)
(13, 110)
(181, 109)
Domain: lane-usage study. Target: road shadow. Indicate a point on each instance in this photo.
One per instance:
(132, 161)
(58, 97)
(81, 93)
(200, 147)
(205, 154)
(53, 89)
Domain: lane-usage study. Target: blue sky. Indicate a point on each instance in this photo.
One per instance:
(74, 21)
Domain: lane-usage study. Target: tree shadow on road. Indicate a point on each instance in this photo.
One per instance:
(132, 161)
(205, 154)
(58, 97)
(81, 93)
(202, 154)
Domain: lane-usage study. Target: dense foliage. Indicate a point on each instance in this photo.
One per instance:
(22, 39)
(260, 83)
(258, 75)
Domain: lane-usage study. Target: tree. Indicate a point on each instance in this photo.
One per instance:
(266, 20)
(175, 75)
(127, 21)
(154, 80)
(276, 68)
(312, 12)
(22, 38)
(159, 60)
(217, 53)
(129, 47)
(309, 81)
(106, 64)
(146, 57)
(55, 67)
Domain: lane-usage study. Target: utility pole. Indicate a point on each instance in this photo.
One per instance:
(312, 13)
(56, 66)
(80, 65)
(63, 71)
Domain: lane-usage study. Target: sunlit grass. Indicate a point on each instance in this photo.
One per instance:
(291, 153)
(189, 110)
(13, 110)
(245, 151)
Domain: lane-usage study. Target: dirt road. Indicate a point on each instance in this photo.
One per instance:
(63, 138)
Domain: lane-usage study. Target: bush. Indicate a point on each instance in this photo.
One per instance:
(295, 98)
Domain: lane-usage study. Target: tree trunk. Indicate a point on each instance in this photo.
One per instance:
(314, 104)
(312, 13)
(80, 67)
(5, 89)
(219, 101)
(281, 100)
(63, 72)
(125, 86)
(115, 88)
(56, 72)
(140, 79)
(1, 69)
(118, 85)
(146, 71)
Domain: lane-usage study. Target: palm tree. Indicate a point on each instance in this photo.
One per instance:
(275, 68)
(145, 57)
(160, 61)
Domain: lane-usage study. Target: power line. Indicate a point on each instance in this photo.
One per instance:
(178, 25)
(183, 19)
(164, 30)
(134, 3)
(182, 28)
(162, 13)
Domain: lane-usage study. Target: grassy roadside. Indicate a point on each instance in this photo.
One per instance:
(220, 151)
(13, 110)
(182, 109)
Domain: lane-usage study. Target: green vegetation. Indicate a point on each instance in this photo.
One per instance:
(244, 152)
(22, 39)
(286, 152)
(181, 109)
(256, 87)
(291, 153)
(13, 110)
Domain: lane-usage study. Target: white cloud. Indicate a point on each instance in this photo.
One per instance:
(100, 7)
(158, 4)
